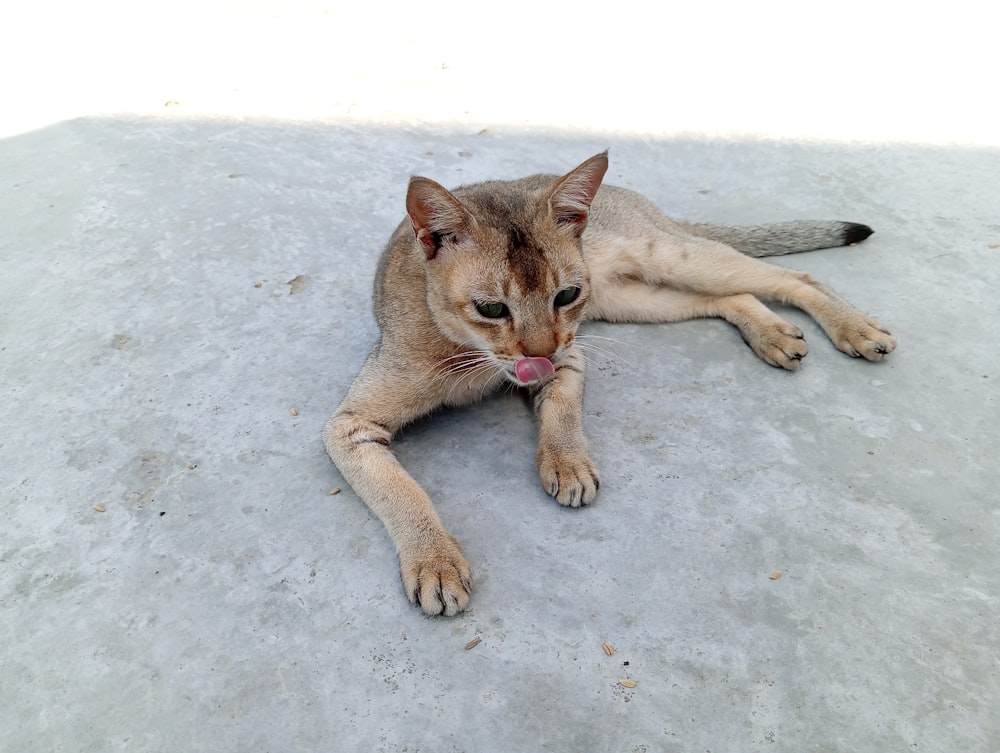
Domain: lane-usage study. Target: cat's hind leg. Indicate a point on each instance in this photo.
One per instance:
(701, 266)
(773, 339)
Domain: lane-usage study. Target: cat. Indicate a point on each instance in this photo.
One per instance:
(486, 285)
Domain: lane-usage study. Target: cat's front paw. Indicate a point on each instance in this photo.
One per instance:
(437, 577)
(570, 477)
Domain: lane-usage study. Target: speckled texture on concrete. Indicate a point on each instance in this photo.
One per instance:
(153, 349)
(175, 285)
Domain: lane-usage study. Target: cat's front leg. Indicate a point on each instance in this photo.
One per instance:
(434, 570)
(565, 467)
(357, 437)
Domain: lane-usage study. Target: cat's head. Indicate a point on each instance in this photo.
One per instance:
(505, 271)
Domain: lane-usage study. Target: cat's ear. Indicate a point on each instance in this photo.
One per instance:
(436, 215)
(572, 196)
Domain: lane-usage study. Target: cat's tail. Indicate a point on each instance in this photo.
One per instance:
(779, 238)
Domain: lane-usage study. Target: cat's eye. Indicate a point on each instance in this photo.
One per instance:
(566, 296)
(492, 309)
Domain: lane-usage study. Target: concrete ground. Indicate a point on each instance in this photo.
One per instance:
(192, 202)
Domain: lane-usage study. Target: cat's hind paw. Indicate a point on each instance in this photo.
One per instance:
(862, 337)
(780, 344)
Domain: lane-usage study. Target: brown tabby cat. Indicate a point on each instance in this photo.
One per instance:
(487, 285)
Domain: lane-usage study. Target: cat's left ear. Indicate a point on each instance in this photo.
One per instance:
(572, 196)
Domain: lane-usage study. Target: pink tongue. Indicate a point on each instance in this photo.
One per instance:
(532, 369)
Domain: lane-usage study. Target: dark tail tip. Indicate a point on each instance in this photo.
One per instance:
(855, 232)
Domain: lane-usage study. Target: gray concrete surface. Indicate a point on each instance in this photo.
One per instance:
(175, 284)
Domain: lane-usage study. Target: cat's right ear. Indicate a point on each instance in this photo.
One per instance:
(438, 218)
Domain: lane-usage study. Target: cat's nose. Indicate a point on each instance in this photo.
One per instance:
(539, 349)
(549, 354)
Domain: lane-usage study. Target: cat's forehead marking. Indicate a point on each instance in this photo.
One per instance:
(511, 217)
(526, 259)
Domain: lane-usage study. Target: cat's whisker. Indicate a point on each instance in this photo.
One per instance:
(464, 367)
(461, 374)
(465, 354)
(601, 337)
(465, 377)
(603, 352)
(597, 353)
(491, 384)
(470, 371)
(614, 340)
(471, 361)
(495, 386)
